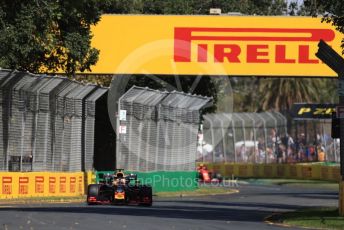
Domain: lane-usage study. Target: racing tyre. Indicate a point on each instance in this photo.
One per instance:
(146, 196)
(92, 193)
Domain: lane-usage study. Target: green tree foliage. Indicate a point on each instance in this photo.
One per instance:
(50, 34)
(281, 93)
(249, 7)
(332, 12)
(293, 7)
(335, 15)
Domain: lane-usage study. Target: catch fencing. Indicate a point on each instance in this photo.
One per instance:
(242, 137)
(47, 123)
(158, 130)
(317, 132)
(264, 138)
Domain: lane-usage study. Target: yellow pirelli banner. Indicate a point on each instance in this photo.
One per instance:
(36, 184)
(212, 45)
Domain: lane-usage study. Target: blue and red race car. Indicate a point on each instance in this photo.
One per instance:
(119, 189)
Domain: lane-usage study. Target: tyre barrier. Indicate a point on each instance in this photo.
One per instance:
(41, 184)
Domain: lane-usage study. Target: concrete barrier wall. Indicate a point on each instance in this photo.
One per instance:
(41, 184)
(287, 171)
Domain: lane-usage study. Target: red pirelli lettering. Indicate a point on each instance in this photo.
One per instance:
(23, 180)
(257, 53)
(229, 52)
(7, 185)
(202, 53)
(39, 179)
(6, 180)
(304, 55)
(281, 56)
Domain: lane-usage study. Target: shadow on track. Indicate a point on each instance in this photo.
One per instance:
(306, 195)
(196, 210)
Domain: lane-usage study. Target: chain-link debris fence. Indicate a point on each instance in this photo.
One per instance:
(316, 133)
(263, 138)
(47, 123)
(242, 137)
(158, 131)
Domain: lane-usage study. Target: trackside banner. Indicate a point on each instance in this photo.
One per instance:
(212, 45)
(312, 111)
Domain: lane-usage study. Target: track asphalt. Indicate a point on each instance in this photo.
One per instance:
(244, 210)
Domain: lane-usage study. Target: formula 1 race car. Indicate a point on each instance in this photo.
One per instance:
(119, 189)
(206, 176)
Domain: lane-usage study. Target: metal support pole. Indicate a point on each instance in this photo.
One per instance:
(231, 120)
(341, 146)
(223, 139)
(212, 140)
(254, 137)
(336, 62)
(265, 137)
(118, 160)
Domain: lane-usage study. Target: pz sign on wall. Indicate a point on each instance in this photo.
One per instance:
(313, 111)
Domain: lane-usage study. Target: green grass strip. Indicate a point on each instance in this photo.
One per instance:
(319, 218)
